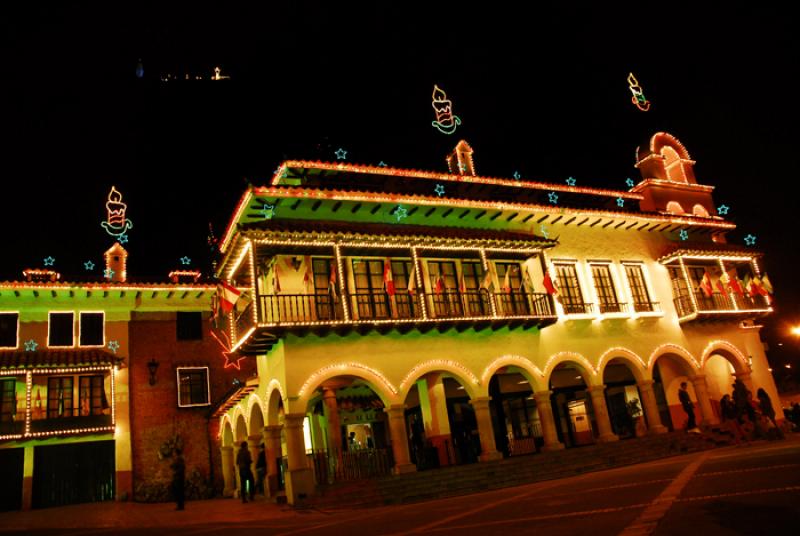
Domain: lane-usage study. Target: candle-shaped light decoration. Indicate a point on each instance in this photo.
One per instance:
(638, 95)
(116, 223)
(445, 122)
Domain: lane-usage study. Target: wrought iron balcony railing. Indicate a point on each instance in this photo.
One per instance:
(718, 302)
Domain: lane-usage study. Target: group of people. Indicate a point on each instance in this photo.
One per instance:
(743, 416)
(244, 462)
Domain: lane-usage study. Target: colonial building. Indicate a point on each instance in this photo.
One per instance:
(406, 319)
(100, 380)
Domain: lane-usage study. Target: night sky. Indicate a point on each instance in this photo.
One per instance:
(541, 91)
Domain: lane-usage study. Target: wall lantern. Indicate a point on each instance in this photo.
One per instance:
(152, 366)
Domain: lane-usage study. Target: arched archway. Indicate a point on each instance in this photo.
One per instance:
(240, 430)
(621, 371)
(227, 432)
(569, 378)
(670, 366)
(722, 363)
(515, 417)
(256, 419)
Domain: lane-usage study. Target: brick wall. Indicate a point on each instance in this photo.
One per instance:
(155, 415)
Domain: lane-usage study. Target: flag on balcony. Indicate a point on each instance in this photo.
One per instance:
(760, 286)
(438, 285)
(507, 281)
(766, 283)
(227, 295)
(60, 395)
(749, 286)
(733, 282)
(705, 285)
(388, 281)
(412, 280)
(527, 284)
(721, 286)
(462, 284)
(308, 274)
(549, 286)
(487, 280)
(332, 280)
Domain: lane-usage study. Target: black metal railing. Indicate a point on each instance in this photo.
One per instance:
(718, 302)
(751, 302)
(70, 423)
(683, 305)
(715, 302)
(286, 308)
(244, 320)
(380, 305)
(518, 303)
(577, 307)
(338, 466)
(612, 307)
(647, 307)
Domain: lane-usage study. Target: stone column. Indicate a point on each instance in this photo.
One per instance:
(272, 448)
(253, 442)
(598, 394)
(650, 407)
(397, 429)
(299, 477)
(747, 379)
(701, 392)
(485, 430)
(545, 410)
(228, 471)
(332, 415)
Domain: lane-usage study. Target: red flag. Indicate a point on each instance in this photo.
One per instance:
(507, 281)
(439, 285)
(228, 294)
(759, 286)
(721, 287)
(462, 286)
(388, 282)
(705, 285)
(548, 284)
(332, 280)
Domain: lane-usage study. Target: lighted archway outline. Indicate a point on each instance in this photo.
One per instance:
(670, 348)
(273, 386)
(465, 376)
(376, 381)
(224, 420)
(237, 412)
(740, 361)
(563, 357)
(252, 400)
(637, 365)
(531, 372)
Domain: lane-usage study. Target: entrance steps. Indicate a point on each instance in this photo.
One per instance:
(515, 471)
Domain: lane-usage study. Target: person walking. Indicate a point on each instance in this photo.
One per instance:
(244, 462)
(730, 418)
(178, 479)
(688, 407)
(261, 469)
(765, 404)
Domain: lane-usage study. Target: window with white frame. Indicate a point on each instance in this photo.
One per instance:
(642, 301)
(193, 387)
(60, 329)
(607, 300)
(9, 330)
(569, 289)
(92, 329)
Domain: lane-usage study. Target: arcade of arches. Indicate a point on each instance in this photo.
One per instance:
(351, 426)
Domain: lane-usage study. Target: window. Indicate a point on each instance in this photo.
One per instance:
(604, 285)
(91, 329)
(9, 328)
(92, 395)
(569, 290)
(405, 303)
(641, 298)
(322, 276)
(326, 290)
(512, 299)
(371, 297)
(189, 326)
(8, 400)
(445, 297)
(193, 389)
(61, 332)
(472, 272)
(59, 397)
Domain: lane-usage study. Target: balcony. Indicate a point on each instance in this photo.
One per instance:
(720, 306)
(360, 311)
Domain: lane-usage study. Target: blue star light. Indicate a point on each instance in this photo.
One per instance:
(122, 239)
(684, 234)
(462, 167)
(750, 240)
(108, 273)
(543, 229)
(88, 265)
(268, 211)
(553, 197)
(517, 176)
(30, 345)
(382, 164)
(620, 202)
(723, 209)
(341, 154)
(401, 213)
(48, 261)
(629, 182)
(113, 346)
(186, 261)
(571, 181)
(439, 190)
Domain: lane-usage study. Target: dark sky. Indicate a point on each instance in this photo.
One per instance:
(541, 91)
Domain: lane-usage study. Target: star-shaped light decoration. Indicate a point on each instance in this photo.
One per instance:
(543, 229)
(232, 363)
(750, 240)
(684, 234)
(401, 213)
(620, 202)
(88, 265)
(439, 189)
(553, 197)
(113, 346)
(48, 261)
(268, 211)
(108, 273)
(30, 345)
(341, 154)
(723, 209)
(571, 181)
(629, 182)
(186, 261)
(122, 239)
(462, 167)
(517, 176)
(382, 164)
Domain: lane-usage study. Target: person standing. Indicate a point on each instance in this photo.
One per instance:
(261, 469)
(765, 404)
(688, 407)
(178, 479)
(244, 462)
